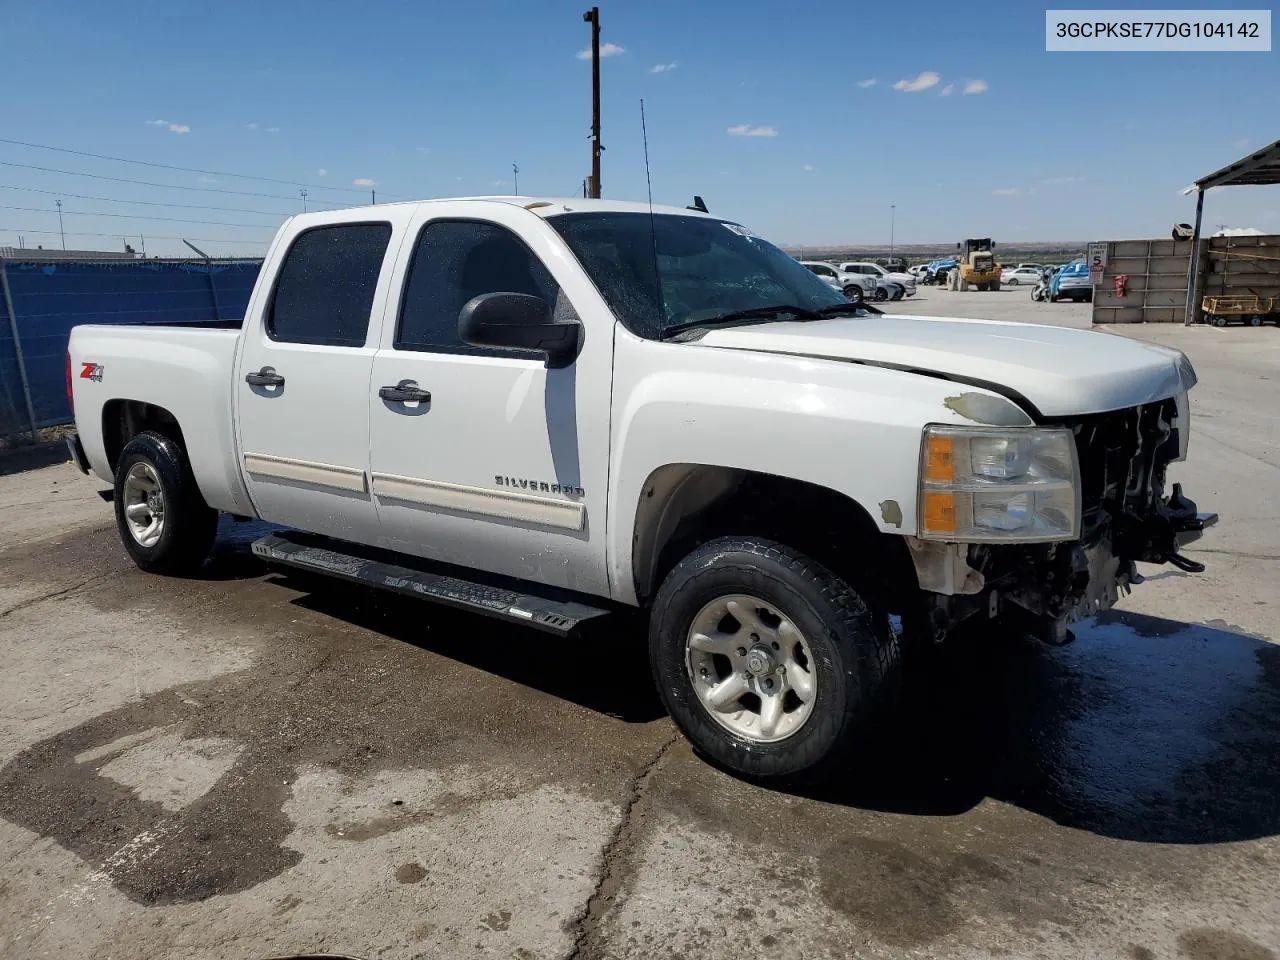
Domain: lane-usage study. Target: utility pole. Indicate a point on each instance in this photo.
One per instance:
(515, 179)
(893, 214)
(60, 230)
(373, 197)
(592, 17)
(303, 192)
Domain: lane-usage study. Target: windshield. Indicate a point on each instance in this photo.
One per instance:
(658, 272)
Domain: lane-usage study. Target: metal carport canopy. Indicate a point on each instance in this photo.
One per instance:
(1259, 169)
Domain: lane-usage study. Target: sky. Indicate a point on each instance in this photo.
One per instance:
(808, 122)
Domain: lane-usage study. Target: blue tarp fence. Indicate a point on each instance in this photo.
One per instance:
(49, 298)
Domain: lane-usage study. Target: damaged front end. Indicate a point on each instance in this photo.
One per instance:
(1125, 517)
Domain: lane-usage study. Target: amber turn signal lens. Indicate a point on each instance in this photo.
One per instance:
(939, 512)
(939, 460)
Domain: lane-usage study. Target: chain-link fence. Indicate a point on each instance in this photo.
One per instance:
(44, 299)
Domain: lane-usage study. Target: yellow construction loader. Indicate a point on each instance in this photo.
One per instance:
(976, 266)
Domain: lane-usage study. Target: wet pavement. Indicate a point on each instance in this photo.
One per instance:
(250, 763)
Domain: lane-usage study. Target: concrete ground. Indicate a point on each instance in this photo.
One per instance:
(246, 765)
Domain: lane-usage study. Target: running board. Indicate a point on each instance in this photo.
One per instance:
(553, 615)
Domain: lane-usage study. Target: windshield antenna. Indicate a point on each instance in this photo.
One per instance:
(653, 231)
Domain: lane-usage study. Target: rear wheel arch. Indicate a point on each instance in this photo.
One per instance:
(122, 420)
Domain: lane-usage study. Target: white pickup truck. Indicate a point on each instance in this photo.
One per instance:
(548, 411)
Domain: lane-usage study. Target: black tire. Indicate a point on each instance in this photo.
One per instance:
(1011, 282)
(857, 662)
(189, 523)
(880, 295)
(854, 293)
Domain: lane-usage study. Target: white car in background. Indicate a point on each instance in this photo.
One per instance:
(888, 286)
(825, 271)
(1023, 273)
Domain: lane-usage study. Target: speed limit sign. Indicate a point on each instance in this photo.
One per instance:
(1097, 260)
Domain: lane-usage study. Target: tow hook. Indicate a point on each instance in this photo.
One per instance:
(1188, 526)
(1185, 563)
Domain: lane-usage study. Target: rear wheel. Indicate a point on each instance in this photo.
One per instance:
(768, 662)
(1012, 281)
(854, 293)
(163, 521)
(881, 294)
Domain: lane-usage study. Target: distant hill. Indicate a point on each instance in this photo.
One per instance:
(1048, 251)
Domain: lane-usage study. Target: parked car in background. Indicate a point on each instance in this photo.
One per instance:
(918, 271)
(1072, 282)
(885, 280)
(936, 271)
(1012, 276)
(825, 271)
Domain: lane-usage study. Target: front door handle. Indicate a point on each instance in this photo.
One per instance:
(406, 391)
(266, 377)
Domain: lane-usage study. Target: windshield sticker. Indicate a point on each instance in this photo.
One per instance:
(740, 230)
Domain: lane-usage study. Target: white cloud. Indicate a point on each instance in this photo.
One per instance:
(662, 67)
(1006, 191)
(273, 129)
(251, 126)
(322, 172)
(869, 82)
(158, 123)
(946, 91)
(171, 127)
(499, 183)
(747, 130)
(1239, 232)
(976, 86)
(926, 80)
(1054, 181)
(807, 167)
(606, 50)
(363, 182)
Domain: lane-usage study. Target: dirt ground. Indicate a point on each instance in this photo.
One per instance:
(250, 764)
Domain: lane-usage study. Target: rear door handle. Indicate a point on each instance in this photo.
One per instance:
(406, 391)
(266, 377)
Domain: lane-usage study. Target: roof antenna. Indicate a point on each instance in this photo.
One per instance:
(698, 205)
(653, 232)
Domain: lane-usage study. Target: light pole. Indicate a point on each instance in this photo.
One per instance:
(303, 192)
(515, 179)
(893, 213)
(60, 230)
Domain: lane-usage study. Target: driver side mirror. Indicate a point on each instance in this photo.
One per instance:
(518, 321)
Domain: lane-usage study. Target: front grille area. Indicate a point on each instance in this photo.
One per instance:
(1123, 456)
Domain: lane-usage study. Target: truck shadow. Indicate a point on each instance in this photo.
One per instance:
(606, 669)
(1144, 729)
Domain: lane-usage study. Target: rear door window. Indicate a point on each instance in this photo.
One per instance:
(324, 290)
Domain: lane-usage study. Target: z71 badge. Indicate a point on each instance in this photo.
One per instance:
(91, 371)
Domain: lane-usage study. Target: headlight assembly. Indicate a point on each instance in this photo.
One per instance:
(982, 484)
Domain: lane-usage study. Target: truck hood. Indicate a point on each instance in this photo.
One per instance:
(1057, 370)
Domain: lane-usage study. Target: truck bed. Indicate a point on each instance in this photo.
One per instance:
(186, 369)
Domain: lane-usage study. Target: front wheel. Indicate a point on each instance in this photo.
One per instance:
(163, 521)
(1012, 281)
(854, 293)
(881, 294)
(768, 662)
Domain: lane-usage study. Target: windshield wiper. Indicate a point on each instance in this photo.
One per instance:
(767, 313)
